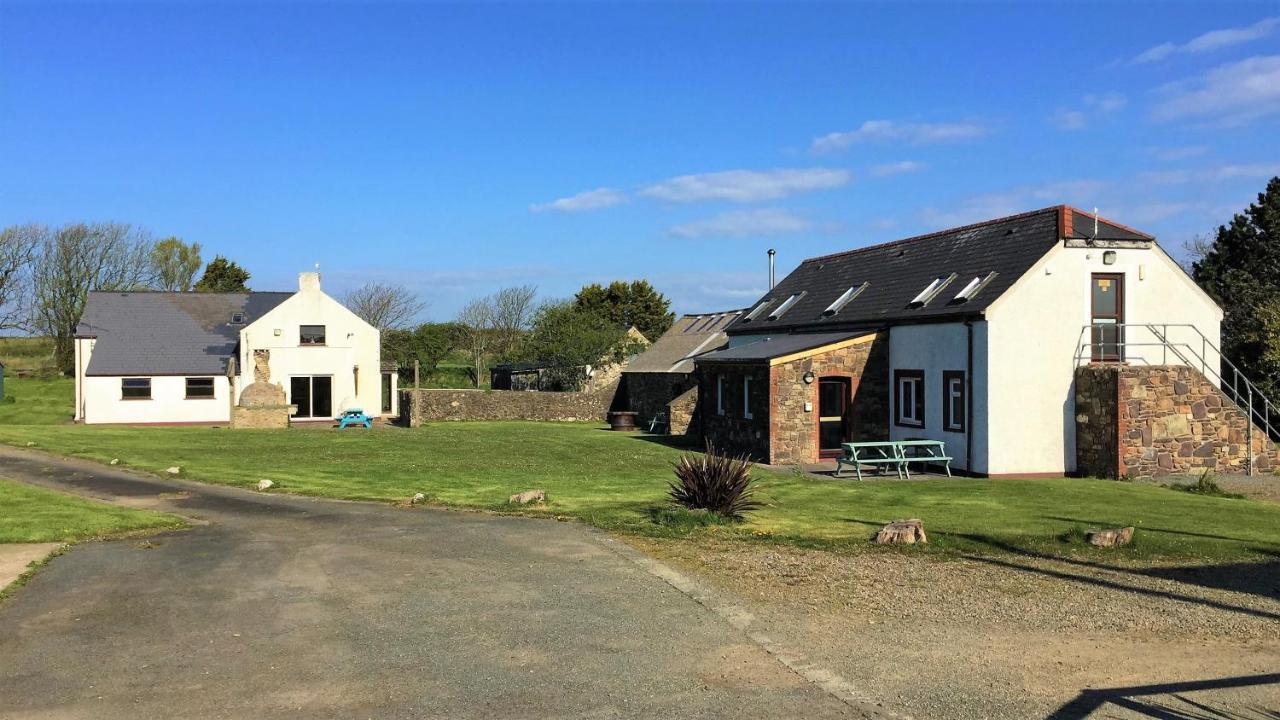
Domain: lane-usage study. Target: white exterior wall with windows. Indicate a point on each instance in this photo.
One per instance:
(349, 356)
(1035, 338)
(933, 351)
(101, 399)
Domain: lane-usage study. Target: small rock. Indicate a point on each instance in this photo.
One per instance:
(1114, 537)
(528, 496)
(417, 498)
(173, 470)
(265, 484)
(31, 444)
(909, 532)
(115, 461)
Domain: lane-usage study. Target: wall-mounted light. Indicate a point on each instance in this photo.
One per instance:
(1109, 257)
(808, 378)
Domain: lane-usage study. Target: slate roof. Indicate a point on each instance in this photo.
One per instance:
(690, 336)
(896, 272)
(167, 333)
(778, 346)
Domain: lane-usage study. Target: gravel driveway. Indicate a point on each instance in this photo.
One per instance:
(277, 606)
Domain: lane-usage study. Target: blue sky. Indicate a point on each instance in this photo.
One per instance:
(457, 149)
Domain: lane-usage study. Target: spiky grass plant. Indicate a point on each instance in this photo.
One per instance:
(714, 481)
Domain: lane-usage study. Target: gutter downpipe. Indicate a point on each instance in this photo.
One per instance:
(968, 401)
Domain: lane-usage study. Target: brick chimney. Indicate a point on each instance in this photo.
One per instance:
(309, 282)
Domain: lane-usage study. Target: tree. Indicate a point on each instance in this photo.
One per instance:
(384, 306)
(18, 246)
(513, 310)
(428, 343)
(629, 304)
(175, 264)
(75, 260)
(223, 275)
(475, 332)
(1241, 271)
(567, 338)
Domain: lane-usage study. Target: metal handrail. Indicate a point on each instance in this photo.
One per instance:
(1239, 389)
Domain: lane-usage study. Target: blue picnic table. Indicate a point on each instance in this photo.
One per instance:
(896, 454)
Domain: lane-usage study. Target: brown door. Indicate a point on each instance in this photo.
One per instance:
(833, 413)
(1106, 301)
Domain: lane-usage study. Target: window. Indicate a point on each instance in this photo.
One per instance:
(746, 397)
(785, 306)
(974, 287)
(953, 401)
(199, 387)
(908, 410)
(844, 299)
(756, 313)
(135, 388)
(719, 394)
(237, 318)
(311, 335)
(930, 292)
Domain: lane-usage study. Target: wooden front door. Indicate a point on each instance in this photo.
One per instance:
(1106, 302)
(834, 394)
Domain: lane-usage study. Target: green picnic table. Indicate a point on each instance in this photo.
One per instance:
(897, 454)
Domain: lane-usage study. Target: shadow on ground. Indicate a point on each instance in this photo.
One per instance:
(1167, 701)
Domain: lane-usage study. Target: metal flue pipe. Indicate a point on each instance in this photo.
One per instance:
(772, 253)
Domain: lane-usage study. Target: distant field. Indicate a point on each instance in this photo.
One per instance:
(27, 356)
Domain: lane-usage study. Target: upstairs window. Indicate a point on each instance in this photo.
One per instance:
(785, 306)
(135, 388)
(974, 287)
(199, 387)
(844, 299)
(237, 318)
(311, 335)
(908, 408)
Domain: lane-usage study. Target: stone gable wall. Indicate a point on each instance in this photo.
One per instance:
(682, 414)
(650, 393)
(1167, 420)
(423, 406)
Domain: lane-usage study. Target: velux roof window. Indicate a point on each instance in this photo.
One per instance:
(844, 299)
(974, 287)
(785, 306)
(756, 312)
(931, 292)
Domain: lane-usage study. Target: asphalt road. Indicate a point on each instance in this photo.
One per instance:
(276, 606)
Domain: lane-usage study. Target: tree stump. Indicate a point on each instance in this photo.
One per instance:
(907, 532)
(1114, 537)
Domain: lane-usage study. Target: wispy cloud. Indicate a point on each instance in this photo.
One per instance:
(1230, 94)
(1173, 154)
(590, 200)
(1213, 40)
(762, 222)
(889, 130)
(1220, 173)
(897, 168)
(1091, 106)
(746, 185)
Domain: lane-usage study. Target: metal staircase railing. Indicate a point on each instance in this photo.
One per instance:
(1114, 343)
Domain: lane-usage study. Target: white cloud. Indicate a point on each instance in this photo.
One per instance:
(1231, 94)
(714, 290)
(746, 185)
(882, 130)
(1212, 40)
(1092, 106)
(1170, 154)
(897, 168)
(744, 223)
(1147, 213)
(1248, 171)
(590, 200)
(987, 206)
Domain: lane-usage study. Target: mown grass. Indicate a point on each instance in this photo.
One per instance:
(32, 514)
(37, 401)
(619, 481)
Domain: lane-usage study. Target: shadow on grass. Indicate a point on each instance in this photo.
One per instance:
(677, 442)
(1145, 528)
(1167, 701)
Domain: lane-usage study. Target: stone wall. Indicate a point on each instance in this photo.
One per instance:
(648, 393)
(732, 432)
(260, 417)
(421, 406)
(1167, 419)
(682, 414)
(794, 430)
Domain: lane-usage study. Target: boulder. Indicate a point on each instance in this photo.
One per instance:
(174, 470)
(528, 496)
(908, 532)
(417, 498)
(265, 485)
(1113, 537)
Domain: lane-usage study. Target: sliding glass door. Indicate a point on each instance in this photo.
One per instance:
(313, 394)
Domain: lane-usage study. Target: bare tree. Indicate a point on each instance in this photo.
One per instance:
(384, 306)
(476, 332)
(75, 260)
(1194, 250)
(18, 246)
(513, 310)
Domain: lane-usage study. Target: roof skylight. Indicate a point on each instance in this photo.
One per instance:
(930, 292)
(974, 287)
(756, 313)
(785, 306)
(844, 299)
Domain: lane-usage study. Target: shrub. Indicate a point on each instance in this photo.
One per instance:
(1207, 484)
(714, 481)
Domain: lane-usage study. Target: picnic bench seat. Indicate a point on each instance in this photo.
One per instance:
(896, 454)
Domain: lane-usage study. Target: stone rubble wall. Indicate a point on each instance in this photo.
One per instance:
(682, 413)
(1167, 420)
(433, 405)
(261, 417)
(650, 393)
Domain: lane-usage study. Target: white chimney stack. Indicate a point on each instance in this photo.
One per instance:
(309, 282)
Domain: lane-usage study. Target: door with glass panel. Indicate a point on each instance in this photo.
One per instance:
(1106, 302)
(313, 396)
(833, 411)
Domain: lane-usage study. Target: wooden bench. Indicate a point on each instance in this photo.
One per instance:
(898, 454)
(925, 452)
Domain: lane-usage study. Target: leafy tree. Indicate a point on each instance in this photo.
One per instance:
(384, 306)
(566, 338)
(429, 343)
(223, 275)
(635, 303)
(175, 264)
(1240, 269)
(75, 260)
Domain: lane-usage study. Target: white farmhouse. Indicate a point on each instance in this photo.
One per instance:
(977, 337)
(174, 358)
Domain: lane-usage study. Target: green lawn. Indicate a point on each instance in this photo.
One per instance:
(37, 401)
(32, 514)
(615, 480)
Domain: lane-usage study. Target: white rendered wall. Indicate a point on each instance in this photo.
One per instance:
(103, 402)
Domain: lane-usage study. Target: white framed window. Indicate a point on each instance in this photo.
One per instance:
(953, 401)
(908, 408)
(746, 397)
(136, 388)
(719, 394)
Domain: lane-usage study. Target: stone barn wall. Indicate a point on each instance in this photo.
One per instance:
(649, 393)
(682, 414)
(1161, 420)
(422, 406)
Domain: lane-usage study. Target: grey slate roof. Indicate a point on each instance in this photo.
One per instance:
(690, 336)
(897, 271)
(165, 333)
(777, 347)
